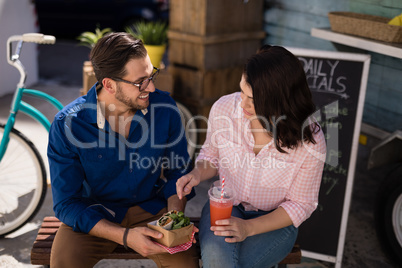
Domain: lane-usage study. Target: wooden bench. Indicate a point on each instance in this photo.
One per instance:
(40, 253)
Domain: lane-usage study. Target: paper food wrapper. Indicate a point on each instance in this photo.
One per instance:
(172, 238)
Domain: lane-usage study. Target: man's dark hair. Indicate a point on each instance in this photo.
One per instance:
(280, 89)
(112, 52)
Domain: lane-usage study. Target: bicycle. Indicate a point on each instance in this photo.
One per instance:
(22, 171)
(23, 176)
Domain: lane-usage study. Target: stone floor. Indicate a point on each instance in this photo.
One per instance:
(362, 248)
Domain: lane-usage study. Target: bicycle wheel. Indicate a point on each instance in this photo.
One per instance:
(23, 182)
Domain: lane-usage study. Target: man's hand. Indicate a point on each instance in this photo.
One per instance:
(139, 240)
(186, 183)
(235, 229)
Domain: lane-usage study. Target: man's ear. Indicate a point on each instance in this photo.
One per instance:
(109, 85)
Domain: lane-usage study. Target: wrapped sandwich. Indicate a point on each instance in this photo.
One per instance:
(175, 227)
(173, 220)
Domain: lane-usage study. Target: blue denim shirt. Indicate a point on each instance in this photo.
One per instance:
(98, 174)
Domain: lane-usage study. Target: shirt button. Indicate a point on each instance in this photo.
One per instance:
(135, 196)
(99, 156)
(131, 170)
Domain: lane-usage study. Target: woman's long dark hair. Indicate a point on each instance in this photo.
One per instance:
(281, 96)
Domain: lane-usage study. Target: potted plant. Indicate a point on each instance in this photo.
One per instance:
(154, 37)
(89, 39)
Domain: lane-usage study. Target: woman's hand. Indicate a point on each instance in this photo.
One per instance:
(195, 229)
(235, 229)
(186, 183)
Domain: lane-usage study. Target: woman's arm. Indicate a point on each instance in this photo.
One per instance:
(302, 198)
(206, 165)
(275, 220)
(236, 229)
(203, 170)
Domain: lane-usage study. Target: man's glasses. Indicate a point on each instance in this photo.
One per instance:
(144, 84)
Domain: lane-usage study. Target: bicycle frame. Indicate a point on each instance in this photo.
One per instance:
(17, 103)
(20, 105)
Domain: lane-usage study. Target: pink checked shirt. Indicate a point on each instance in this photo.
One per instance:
(269, 179)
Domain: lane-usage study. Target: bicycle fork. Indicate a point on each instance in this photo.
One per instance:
(9, 125)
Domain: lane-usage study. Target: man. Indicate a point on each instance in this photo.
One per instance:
(106, 153)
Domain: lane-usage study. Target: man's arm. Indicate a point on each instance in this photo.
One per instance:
(138, 238)
(67, 177)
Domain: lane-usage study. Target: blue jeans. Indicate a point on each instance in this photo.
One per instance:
(262, 250)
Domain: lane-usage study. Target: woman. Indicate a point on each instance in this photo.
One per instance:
(271, 153)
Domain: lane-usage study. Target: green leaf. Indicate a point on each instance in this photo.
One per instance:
(179, 219)
(150, 33)
(178, 225)
(173, 216)
(89, 39)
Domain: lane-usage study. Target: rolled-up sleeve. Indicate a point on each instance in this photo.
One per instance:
(302, 199)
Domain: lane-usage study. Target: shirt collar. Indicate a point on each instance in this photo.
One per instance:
(237, 112)
(100, 113)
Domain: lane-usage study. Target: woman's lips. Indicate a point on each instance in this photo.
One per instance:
(247, 113)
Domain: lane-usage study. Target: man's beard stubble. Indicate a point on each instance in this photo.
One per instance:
(120, 96)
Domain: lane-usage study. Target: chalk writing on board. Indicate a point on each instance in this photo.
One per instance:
(332, 182)
(333, 153)
(324, 81)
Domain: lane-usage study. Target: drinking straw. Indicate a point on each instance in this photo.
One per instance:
(223, 185)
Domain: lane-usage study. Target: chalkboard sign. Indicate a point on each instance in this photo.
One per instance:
(338, 84)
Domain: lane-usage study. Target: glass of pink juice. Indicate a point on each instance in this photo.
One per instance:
(220, 206)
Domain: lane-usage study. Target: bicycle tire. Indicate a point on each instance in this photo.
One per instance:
(23, 182)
